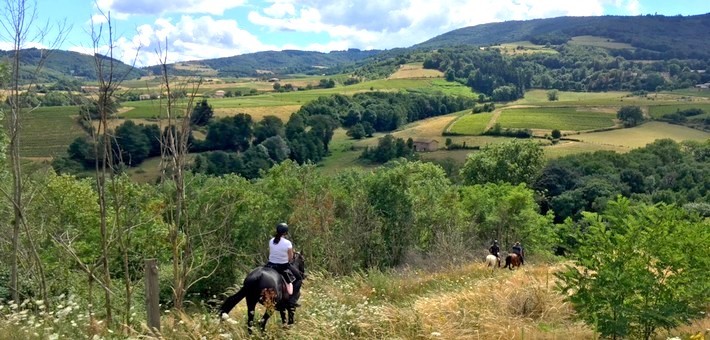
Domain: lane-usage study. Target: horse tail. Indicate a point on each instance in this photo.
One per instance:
(232, 301)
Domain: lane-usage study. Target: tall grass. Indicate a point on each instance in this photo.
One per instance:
(458, 302)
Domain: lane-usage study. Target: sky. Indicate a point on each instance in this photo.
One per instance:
(204, 29)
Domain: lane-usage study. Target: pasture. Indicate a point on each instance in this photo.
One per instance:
(415, 70)
(560, 118)
(590, 40)
(523, 47)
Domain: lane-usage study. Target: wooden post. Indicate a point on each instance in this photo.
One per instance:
(152, 292)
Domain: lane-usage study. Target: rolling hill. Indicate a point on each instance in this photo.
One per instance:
(61, 64)
(661, 36)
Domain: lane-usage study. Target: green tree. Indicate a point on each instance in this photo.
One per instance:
(269, 126)
(630, 115)
(553, 95)
(133, 143)
(513, 162)
(357, 131)
(639, 268)
(556, 134)
(201, 113)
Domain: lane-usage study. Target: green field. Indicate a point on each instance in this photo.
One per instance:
(660, 110)
(471, 124)
(47, 131)
(589, 40)
(560, 118)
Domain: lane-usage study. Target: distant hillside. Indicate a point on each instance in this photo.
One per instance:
(269, 62)
(63, 64)
(662, 37)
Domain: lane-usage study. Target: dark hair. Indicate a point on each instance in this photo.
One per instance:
(277, 237)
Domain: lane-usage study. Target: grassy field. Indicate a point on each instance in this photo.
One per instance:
(48, 131)
(627, 139)
(415, 70)
(560, 118)
(523, 47)
(471, 124)
(589, 40)
(660, 110)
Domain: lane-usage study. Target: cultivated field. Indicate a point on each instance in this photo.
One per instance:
(660, 110)
(523, 47)
(471, 124)
(560, 118)
(48, 131)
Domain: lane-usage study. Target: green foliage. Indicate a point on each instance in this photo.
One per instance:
(388, 148)
(639, 268)
(553, 95)
(556, 134)
(507, 213)
(512, 162)
(201, 113)
(630, 115)
(663, 171)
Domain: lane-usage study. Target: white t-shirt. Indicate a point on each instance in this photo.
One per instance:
(278, 253)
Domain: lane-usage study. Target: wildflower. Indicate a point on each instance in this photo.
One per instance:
(435, 334)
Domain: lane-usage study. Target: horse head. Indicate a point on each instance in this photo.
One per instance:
(299, 261)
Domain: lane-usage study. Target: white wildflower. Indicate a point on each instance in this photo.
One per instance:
(435, 334)
(232, 321)
(53, 337)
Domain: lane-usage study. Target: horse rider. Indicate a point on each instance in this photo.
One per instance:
(518, 250)
(280, 257)
(495, 249)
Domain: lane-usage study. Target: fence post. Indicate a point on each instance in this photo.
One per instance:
(152, 292)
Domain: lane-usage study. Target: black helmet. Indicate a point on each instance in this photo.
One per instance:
(282, 228)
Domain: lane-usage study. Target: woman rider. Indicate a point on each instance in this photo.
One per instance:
(280, 256)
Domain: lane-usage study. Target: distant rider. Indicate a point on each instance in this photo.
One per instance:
(520, 251)
(495, 249)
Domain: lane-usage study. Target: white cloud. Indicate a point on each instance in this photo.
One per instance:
(156, 7)
(190, 38)
(402, 23)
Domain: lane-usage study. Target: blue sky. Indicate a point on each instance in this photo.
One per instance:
(201, 29)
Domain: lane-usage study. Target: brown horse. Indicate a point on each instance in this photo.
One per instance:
(512, 261)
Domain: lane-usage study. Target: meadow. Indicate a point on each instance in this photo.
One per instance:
(590, 40)
(660, 110)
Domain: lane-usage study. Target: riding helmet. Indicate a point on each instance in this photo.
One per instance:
(282, 228)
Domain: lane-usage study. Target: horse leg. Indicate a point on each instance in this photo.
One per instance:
(283, 317)
(264, 320)
(291, 314)
(251, 307)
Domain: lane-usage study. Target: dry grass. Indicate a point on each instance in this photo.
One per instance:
(257, 113)
(413, 71)
(642, 135)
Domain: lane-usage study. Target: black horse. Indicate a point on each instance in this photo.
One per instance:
(266, 286)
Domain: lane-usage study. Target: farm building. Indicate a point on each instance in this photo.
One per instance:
(219, 94)
(273, 80)
(423, 145)
(703, 86)
(144, 97)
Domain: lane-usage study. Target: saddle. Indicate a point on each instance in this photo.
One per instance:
(287, 276)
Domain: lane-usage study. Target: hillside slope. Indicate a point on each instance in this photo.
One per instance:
(677, 36)
(62, 64)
